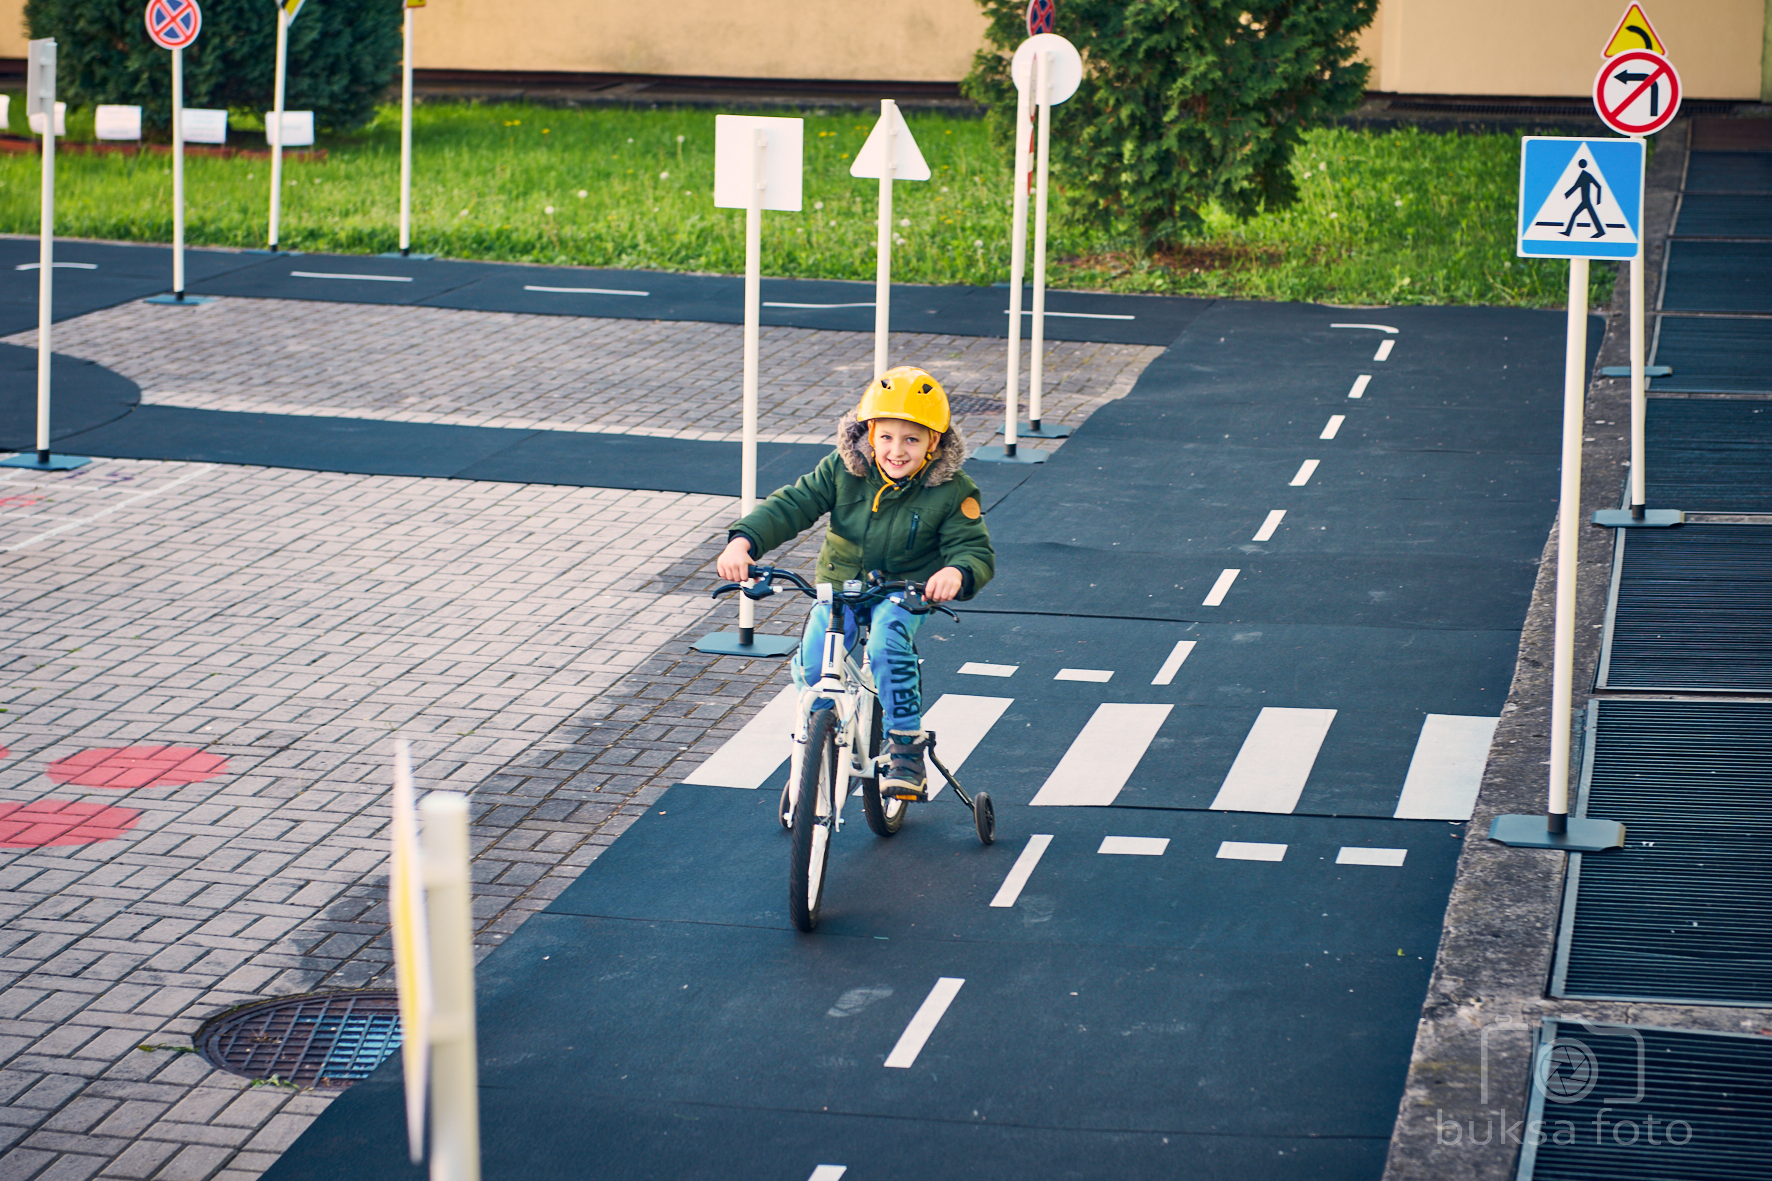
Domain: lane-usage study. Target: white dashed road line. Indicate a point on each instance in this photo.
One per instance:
(356, 278)
(1359, 389)
(960, 721)
(1215, 596)
(1103, 757)
(1305, 471)
(1172, 665)
(1084, 674)
(973, 668)
(593, 291)
(1023, 869)
(910, 1042)
(1353, 855)
(1266, 532)
(1251, 851)
(828, 1173)
(1384, 350)
(1134, 846)
(1335, 421)
(1447, 768)
(751, 756)
(1374, 327)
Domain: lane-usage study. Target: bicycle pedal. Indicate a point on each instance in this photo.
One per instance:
(908, 796)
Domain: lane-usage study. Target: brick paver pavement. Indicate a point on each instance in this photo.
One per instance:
(646, 377)
(286, 625)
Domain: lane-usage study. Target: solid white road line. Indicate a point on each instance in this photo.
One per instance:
(1023, 869)
(1335, 421)
(773, 304)
(584, 290)
(1215, 596)
(1353, 855)
(1360, 383)
(1134, 846)
(1077, 315)
(1103, 757)
(910, 1042)
(1374, 327)
(975, 669)
(751, 756)
(1276, 759)
(79, 521)
(358, 278)
(1084, 674)
(1305, 471)
(828, 1173)
(1266, 532)
(1251, 851)
(72, 266)
(960, 722)
(1447, 768)
(1384, 350)
(1172, 665)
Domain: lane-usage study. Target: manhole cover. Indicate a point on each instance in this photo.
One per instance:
(972, 404)
(324, 1039)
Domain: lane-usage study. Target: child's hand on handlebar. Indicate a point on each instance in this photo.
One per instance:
(734, 563)
(943, 585)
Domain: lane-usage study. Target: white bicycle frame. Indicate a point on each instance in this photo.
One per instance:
(849, 685)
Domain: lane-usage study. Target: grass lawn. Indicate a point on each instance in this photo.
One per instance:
(1386, 217)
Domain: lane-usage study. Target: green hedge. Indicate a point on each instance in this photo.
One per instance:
(1183, 102)
(343, 54)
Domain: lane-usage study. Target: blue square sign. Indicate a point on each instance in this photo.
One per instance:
(1580, 198)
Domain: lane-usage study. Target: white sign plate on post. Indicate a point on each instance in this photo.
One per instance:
(205, 126)
(61, 121)
(298, 129)
(870, 162)
(1067, 65)
(1580, 198)
(781, 157)
(118, 122)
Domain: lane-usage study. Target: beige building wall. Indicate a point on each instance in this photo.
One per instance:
(1524, 47)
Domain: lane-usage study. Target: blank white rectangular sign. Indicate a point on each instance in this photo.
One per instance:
(734, 140)
(1447, 768)
(751, 756)
(1103, 757)
(1276, 760)
(112, 121)
(208, 127)
(298, 128)
(61, 121)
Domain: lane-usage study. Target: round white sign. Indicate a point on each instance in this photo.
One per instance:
(1065, 72)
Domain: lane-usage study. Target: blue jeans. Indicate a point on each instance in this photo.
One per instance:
(891, 654)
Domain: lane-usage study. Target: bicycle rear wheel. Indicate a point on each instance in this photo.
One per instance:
(885, 816)
(814, 809)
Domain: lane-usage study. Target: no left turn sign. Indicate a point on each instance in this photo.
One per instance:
(173, 24)
(1637, 93)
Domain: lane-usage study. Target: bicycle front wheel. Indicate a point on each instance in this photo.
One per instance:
(814, 811)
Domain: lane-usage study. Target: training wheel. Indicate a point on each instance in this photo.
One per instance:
(984, 817)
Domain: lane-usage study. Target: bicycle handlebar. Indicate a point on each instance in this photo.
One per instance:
(877, 590)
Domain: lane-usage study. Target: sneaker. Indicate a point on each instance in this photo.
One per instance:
(904, 778)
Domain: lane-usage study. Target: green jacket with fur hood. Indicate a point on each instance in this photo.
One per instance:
(933, 519)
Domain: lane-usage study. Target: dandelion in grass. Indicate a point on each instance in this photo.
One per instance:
(664, 176)
(463, 213)
(978, 243)
(583, 193)
(548, 209)
(818, 204)
(905, 222)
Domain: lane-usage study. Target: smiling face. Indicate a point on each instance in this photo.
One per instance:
(900, 446)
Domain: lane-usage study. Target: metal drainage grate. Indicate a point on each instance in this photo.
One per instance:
(972, 404)
(1714, 455)
(1684, 911)
(324, 1039)
(1690, 610)
(1623, 1102)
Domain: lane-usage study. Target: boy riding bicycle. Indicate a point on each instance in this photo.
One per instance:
(900, 504)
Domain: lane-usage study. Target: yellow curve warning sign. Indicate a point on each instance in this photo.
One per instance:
(1634, 32)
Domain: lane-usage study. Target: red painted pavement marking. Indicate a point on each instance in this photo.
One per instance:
(43, 823)
(127, 767)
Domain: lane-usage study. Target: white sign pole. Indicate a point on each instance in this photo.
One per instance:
(1639, 401)
(412, 952)
(45, 245)
(1037, 348)
(406, 142)
(275, 131)
(178, 174)
(1018, 254)
(455, 1085)
(1568, 545)
(883, 250)
(753, 296)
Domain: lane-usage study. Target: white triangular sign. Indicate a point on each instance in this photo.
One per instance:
(870, 162)
(1581, 206)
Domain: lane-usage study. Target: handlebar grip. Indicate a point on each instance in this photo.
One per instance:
(725, 588)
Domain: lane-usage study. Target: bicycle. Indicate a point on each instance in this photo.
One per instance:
(842, 743)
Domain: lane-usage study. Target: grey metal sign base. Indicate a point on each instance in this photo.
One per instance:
(1575, 834)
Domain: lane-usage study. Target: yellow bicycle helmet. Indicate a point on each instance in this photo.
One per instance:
(907, 393)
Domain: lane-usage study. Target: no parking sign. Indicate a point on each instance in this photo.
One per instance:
(173, 24)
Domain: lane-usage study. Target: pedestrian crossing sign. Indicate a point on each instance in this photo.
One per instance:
(1580, 198)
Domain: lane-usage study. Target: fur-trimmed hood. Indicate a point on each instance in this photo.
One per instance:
(858, 456)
